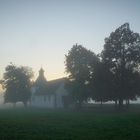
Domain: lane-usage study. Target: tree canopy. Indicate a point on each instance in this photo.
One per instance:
(102, 83)
(112, 75)
(121, 54)
(80, 64)
(17, 84)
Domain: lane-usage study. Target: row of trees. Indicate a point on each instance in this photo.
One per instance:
(112, 75)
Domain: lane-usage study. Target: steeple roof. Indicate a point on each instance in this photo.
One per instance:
(41, 80)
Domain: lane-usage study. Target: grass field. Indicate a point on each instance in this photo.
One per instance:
(91, 124)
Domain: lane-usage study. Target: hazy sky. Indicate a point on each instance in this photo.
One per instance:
(39, 33)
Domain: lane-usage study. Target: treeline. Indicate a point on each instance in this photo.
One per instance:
(112, 75)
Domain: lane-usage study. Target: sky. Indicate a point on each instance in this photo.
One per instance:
(39, 33)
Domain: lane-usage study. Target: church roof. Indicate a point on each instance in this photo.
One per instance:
(44, 87)
(53, 85)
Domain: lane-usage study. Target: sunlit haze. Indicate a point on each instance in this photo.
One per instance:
(38, 33)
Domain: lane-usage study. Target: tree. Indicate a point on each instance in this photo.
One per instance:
(80, 64)
(17, 84)
(121, 55)
(102, 83)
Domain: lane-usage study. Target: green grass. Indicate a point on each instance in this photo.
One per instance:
(96, 124)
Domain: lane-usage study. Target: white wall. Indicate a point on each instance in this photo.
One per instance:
(42, 101)
(49, 100)
(60, 92)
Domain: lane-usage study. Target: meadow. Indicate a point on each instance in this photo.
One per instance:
(99, 123)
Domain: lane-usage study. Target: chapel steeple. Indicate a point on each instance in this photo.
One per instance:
(41, 73)
(41, 80)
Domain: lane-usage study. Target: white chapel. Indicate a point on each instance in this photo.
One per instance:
(49, 94)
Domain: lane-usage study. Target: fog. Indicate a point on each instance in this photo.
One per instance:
(19, 104)
(7, 105)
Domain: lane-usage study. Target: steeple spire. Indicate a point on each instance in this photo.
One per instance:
(41, 73)
(41, 80)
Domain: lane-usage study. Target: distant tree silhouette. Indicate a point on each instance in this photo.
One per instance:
(17, 84)
(121, 55)
(80, 64)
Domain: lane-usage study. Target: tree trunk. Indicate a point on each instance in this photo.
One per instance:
(101, 103)
(120, 103)
(127, 103)
(116, 103)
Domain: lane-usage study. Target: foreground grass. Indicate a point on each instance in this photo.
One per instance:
(42, 124)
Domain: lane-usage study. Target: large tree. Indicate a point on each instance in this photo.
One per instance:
(17, 84)
(121, 55)
(102, 83)
(80, 64)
